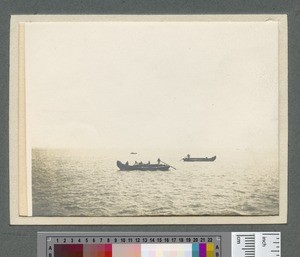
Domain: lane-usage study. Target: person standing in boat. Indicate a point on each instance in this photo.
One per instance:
(188, 156)
(158, 161)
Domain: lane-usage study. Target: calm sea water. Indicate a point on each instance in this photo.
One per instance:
(88, 183)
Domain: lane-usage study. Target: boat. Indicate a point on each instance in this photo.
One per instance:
(133, 153)
(205, 159)
(142, 166)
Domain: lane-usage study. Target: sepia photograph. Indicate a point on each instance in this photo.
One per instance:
(152, 117)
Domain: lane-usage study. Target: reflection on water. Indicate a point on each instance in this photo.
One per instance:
(88, 183)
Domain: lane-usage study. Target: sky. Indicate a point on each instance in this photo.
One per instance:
(166, 85)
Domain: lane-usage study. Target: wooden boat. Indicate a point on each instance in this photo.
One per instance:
(143, 166)
(206, 159)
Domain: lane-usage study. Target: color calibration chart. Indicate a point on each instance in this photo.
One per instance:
(223, 244)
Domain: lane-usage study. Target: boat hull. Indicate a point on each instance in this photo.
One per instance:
(142, 167)
(200, 159)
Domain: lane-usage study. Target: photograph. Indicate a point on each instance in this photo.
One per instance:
(151, 117)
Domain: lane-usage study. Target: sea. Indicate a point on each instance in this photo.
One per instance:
(88, 183)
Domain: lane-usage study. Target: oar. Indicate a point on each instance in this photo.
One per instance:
(168, 165)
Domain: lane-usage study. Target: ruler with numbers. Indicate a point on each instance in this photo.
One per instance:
(150, 244)
(256, 244)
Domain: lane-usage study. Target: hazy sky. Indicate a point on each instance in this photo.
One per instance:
(154, 85)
